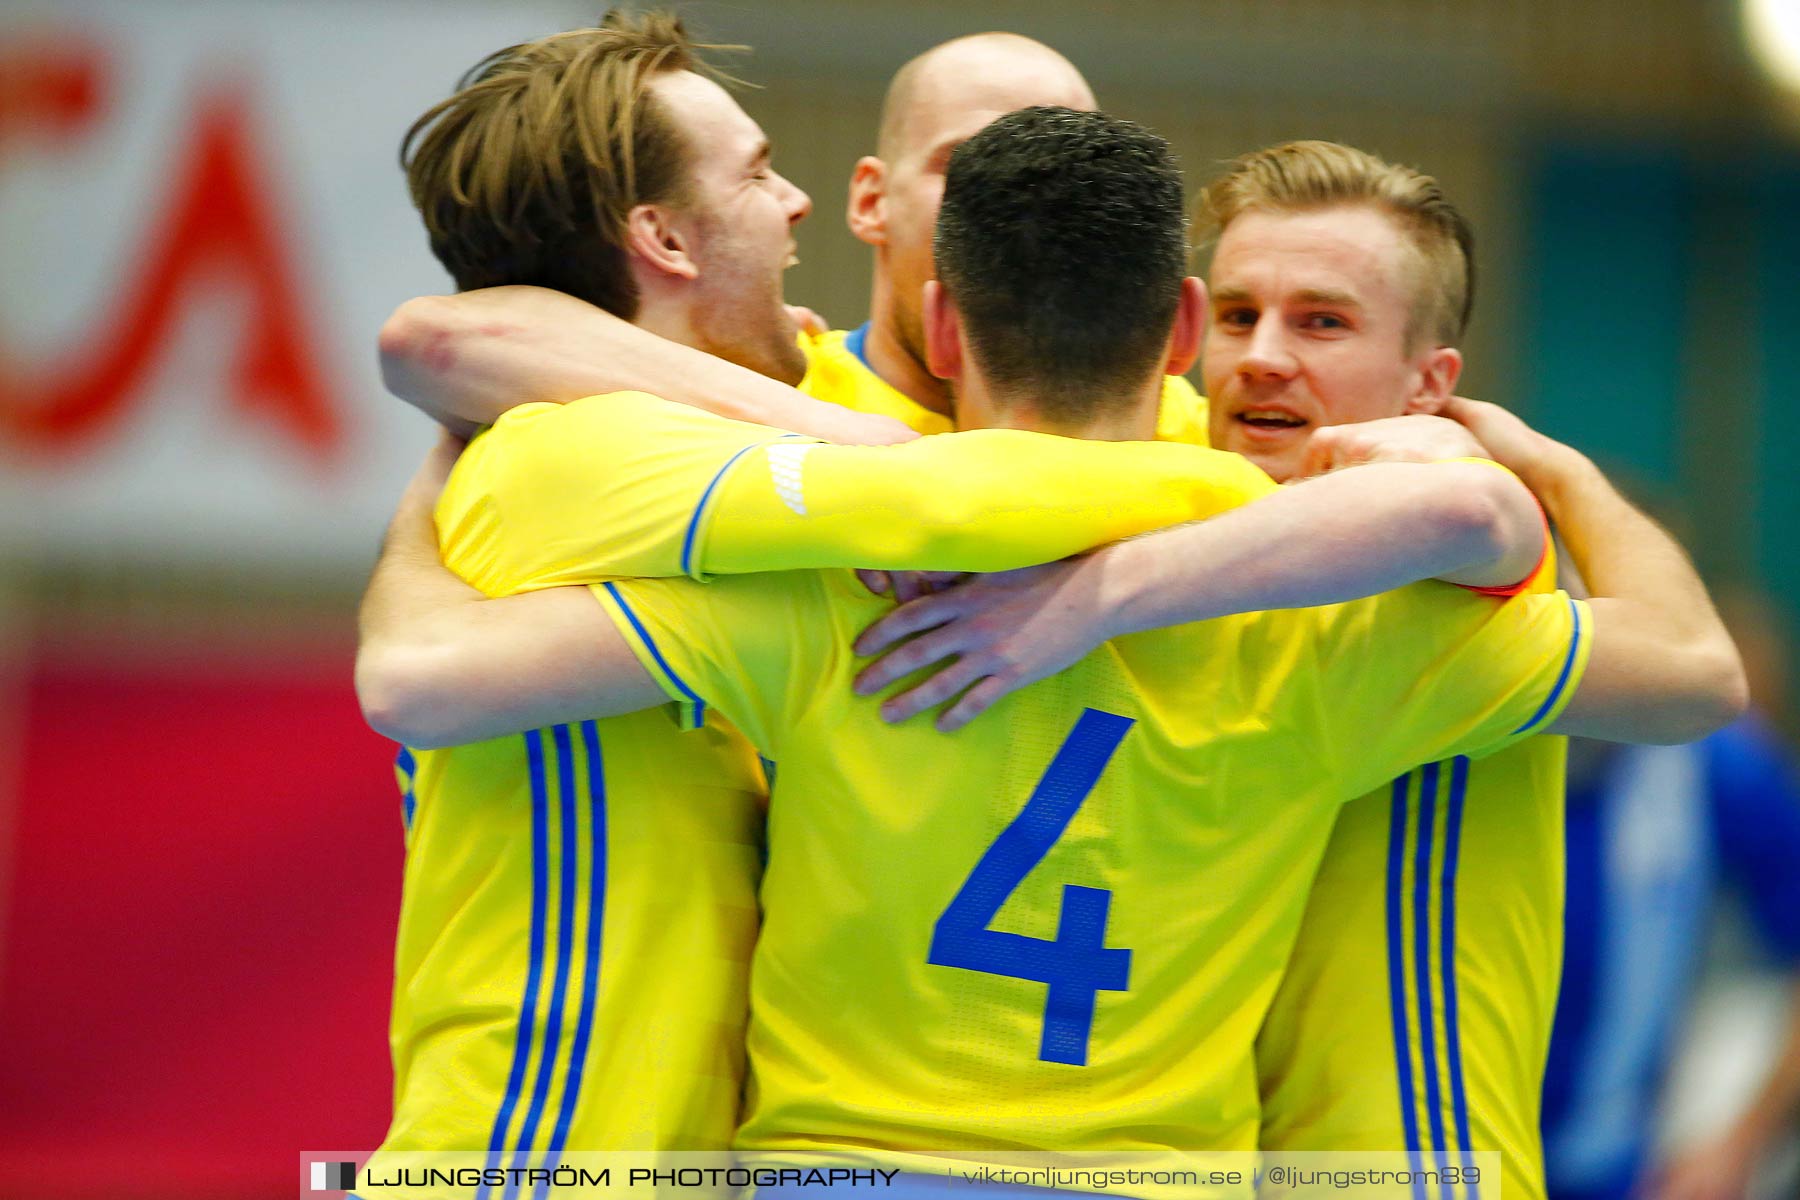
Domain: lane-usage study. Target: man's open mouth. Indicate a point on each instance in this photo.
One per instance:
(1266, 418)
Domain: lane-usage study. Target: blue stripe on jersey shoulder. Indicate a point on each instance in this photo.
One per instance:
(1562, 680)
(590, 982)
(1459, 1099)
(680, 684)
(540, 849)
(1396, 874)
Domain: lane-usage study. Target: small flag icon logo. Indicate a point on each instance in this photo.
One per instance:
(333, 1176)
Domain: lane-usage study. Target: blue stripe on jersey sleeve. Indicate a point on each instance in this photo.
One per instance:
(693, 527)
(681, 686)
(1562, 680)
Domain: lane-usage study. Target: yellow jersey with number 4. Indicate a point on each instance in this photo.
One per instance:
(1060, 928)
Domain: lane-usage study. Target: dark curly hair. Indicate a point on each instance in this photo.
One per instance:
(1063, 241)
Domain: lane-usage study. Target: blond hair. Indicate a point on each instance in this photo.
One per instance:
(1304, 176)
(528, 173)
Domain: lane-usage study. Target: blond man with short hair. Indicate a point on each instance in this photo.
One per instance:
(1415, 1013)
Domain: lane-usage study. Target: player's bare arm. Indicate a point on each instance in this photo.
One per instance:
(467, 358)
(1341, 536)
(1663, 668)
(437, 665)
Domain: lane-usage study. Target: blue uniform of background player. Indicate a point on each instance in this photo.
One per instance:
(1655, 834)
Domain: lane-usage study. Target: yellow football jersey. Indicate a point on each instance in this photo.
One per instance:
(578, 914)
(1181, 417)
(1416, 1010)
(578, 911)
(838, 371)
(1060, 927)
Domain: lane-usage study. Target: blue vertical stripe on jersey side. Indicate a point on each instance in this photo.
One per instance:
(693, 526)
(1459, 1099)
(590, 983)
(1396, 929)
(408, 766)
(565, 939)
(650, 644)
(1428, 1064)
(1562, 680)
(540, 851)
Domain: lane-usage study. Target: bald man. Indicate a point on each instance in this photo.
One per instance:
(466, 359)
(934, 104)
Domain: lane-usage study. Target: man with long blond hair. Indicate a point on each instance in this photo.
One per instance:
(580, 901)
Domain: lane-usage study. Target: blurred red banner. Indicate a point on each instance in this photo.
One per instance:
(196, 943)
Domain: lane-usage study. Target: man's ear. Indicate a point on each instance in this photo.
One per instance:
(943, 333)
(1437, 380)
(653, 236)
(867, 213)
(1190, 324)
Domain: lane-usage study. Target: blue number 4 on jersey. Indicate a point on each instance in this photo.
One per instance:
(1078, 964)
